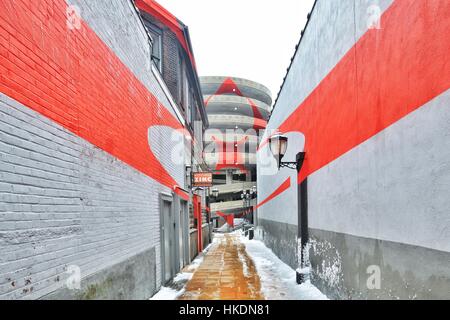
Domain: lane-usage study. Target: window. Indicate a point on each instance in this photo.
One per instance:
(192, 106)
(186, 97)
(180, 79)
(156, 34)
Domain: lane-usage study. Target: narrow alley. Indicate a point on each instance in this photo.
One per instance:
(235, 268)
(224, 150)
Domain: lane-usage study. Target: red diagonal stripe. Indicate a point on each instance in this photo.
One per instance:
(283, 187)
(73, 78)
(385, 76)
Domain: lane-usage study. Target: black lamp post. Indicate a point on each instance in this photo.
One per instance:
(215, 192)
(278, 146)
(245, 197)
(255, 195)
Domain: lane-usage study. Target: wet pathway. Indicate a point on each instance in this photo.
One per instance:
(226, 273)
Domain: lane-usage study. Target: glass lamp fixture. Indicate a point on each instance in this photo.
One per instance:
(278, 146)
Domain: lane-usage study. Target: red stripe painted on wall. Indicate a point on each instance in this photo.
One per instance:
(229, 218)
(283, 187)
(386, 75)
(73, 78)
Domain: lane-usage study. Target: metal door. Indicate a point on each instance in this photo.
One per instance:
(168, 241)
(184, 233)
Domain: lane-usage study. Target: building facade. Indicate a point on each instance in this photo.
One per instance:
(366, 97)
(237, 112)
(173, 56)
(91, 171)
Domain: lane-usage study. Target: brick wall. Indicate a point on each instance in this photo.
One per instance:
(79, 184)
(171, 57)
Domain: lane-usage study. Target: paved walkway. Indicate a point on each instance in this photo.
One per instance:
(226, 273)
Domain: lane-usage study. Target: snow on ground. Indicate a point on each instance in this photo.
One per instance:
(176, 288)
(277, 278)
(166, 293)
(223, 228)
(238, 222)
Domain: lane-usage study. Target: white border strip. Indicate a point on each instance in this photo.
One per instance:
(166, 91)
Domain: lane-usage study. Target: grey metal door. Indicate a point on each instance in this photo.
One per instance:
(184, 233)
(168, 244)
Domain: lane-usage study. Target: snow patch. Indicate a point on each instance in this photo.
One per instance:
(238, 222)
(278, 280)
(224, 228)
(183, 276)
(167, 294)
(244, 264)
(330, 271)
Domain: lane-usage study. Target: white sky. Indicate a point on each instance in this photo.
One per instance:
(253, 39)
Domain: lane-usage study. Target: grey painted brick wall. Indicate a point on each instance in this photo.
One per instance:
(63, 201)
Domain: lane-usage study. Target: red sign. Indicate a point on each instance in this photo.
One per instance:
(202, 179)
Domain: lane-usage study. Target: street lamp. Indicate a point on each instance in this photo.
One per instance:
(278, 146)
(245, 196)
(215, 192)
(251, 196)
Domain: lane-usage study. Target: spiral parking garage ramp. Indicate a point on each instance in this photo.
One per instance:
(239, 104)
(242, 107)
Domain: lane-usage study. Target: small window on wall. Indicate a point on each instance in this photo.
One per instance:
(186, 104)
(180, 80)
(156, 34)
(193, 107)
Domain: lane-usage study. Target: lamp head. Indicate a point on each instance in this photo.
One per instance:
(278, 147)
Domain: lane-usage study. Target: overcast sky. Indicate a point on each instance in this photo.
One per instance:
(253, 39)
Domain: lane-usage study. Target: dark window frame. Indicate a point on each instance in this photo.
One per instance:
(157, 37)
